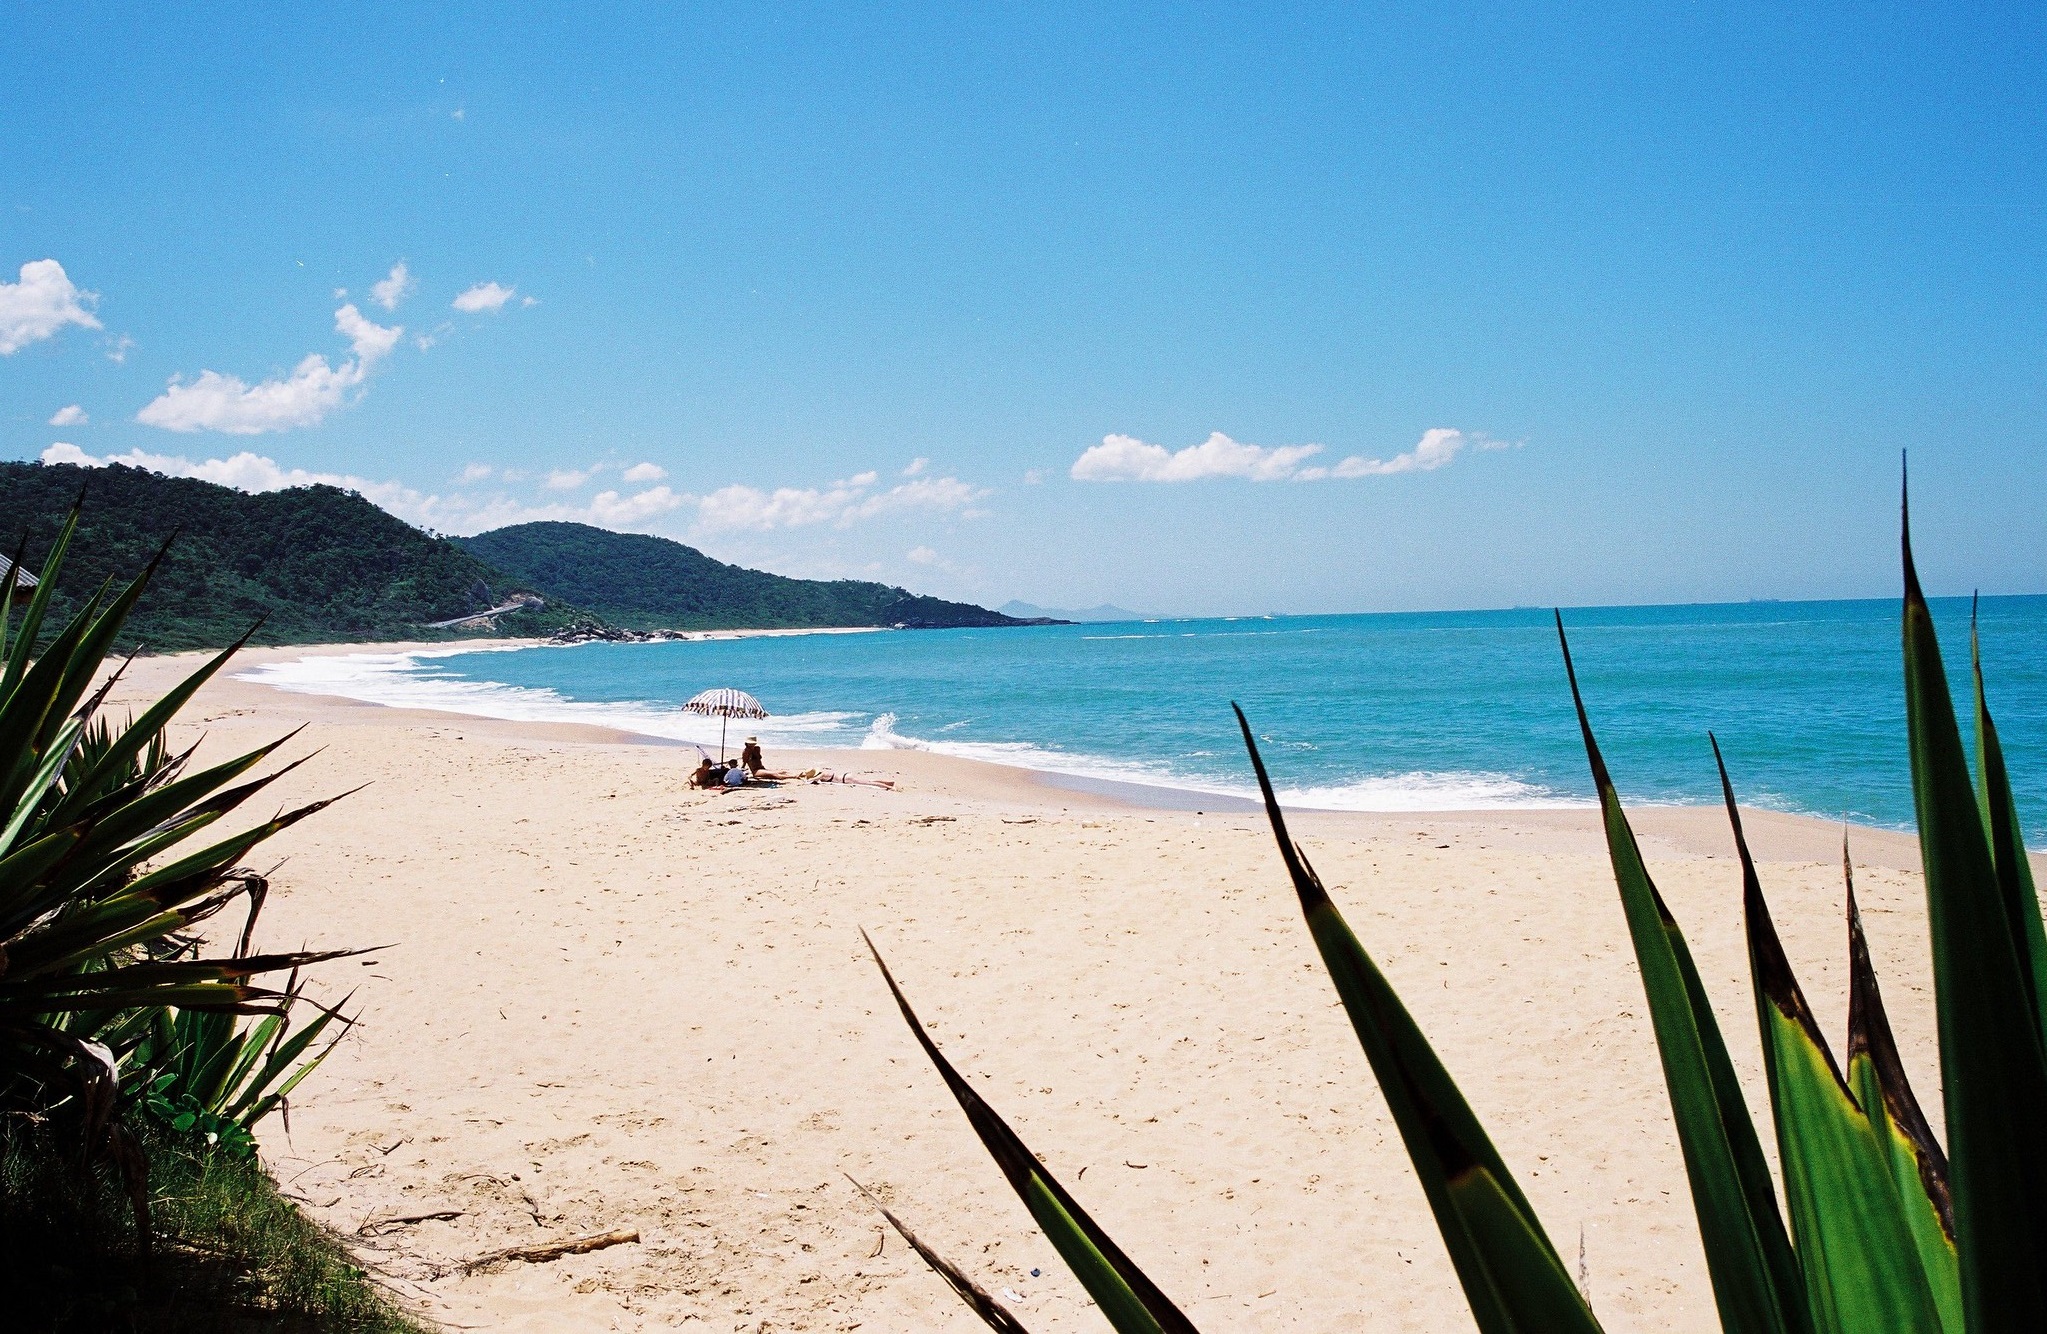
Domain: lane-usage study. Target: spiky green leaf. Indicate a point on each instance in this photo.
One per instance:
(1512, 1275)
(1757, 1284)
(1993, 1067)
(1132, 1303)
(2007, 841)
(1917, 1165)
(1862, 1271)
(993, 1313)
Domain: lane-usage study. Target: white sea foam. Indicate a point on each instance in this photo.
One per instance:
(414, 680)
(1416, 791)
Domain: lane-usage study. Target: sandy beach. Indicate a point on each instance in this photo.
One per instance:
(607, 1002)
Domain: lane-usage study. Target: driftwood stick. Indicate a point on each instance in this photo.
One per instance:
(372, 1226)
(553, 1250)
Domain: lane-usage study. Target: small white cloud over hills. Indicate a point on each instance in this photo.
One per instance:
(734, 508)
(1123, 458)
(40, 305)
(69, 415)
(305, 397)
(842, 503)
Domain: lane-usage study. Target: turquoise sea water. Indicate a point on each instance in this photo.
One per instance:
(1377, 712)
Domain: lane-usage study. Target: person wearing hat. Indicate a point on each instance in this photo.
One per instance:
(750, 755)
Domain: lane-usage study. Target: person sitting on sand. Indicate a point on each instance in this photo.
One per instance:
(736, 776)
(757, 765)
(707, 774)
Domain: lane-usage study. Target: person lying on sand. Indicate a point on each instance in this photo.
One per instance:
(827, 776)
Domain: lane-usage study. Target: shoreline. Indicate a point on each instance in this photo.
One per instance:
(1126, 793)
(607, 1001)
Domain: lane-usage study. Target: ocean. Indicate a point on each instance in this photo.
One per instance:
(1392, 712)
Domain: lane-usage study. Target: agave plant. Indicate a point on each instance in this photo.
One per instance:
(1886, 1232)
(208, 1073)
(99, 871)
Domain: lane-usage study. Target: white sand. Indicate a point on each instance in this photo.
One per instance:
(610, 1002)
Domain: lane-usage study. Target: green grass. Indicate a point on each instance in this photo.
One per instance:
(231, 1253)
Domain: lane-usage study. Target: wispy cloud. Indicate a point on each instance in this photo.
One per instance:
(69, 415)
(644, 472)
(485, 297)
(568, 479)
(313, 389)
(41, 304)
(476, 472)
(1439, 446)
(842, 503)
(391, 290)
(1122, 458)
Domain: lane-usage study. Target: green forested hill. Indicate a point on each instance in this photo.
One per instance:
(648, 583)
(315, 563)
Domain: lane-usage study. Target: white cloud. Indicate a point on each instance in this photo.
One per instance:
(226, 403)
(1437, 447)
(842, 503)
(644, 472)
(657, 508)
(244, 472)
(1122, 458)
(393, 289)
(451, 513)
(611, 510)
(916, 466)
(484, 297)
(117, 349)
(71, 415)
(529, 300)
(1033, 476)
(369, 341)
(568, 479)
(43, 302)
(736, 506)
(926, 493)
(923, 555)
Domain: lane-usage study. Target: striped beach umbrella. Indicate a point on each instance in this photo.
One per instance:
(726, 704)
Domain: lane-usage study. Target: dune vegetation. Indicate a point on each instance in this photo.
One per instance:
(137, 1063)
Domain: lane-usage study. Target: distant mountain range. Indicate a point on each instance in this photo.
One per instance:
(1086, 616)
(651, 583)
(317, 564)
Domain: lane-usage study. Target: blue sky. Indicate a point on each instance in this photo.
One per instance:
(1579, 306)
